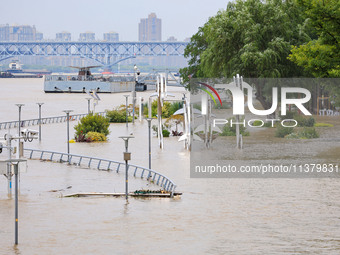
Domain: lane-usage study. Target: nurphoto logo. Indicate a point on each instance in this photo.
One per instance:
(238, 103)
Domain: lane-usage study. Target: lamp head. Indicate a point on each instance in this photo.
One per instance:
(126, 137)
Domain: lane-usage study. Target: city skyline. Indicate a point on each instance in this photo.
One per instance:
(179, 19)
(150, 28)
(148, 32)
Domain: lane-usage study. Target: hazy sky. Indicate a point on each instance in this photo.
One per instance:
(180, 18)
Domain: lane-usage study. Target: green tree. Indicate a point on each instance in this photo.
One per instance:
(252, 38)
(193, 51)
(320, 56)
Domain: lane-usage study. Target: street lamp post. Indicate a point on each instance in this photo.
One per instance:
(19, 126)
(15, 164)
(136, 74)
(16, 170)
(68, 133)
(16, 202)
(88, 104)
(40, 104)
(126, 108)
(9, 170)
(149, 126)
(127, 157)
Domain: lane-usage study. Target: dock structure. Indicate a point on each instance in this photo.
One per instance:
(131, 194)
(104, 164)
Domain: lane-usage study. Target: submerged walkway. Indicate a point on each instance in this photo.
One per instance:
(104, 164)
(45, 120)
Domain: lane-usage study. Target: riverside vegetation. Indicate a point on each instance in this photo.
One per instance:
(92, 128)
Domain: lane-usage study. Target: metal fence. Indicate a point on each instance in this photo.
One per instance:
(46, 120)
(104, 164)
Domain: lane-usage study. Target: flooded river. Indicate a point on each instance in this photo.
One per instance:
(214, 216)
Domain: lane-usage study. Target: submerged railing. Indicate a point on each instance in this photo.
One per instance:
(46, 120)
(104, 164)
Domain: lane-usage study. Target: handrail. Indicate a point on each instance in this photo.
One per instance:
(45, 120)
(105, 164)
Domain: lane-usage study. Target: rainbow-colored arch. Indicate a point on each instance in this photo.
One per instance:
(209, 93)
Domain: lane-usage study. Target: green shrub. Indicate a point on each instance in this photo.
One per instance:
(225, 105)
(117, 116)
(168, 108)
(92, 123)
(309, 122)
(258, 123)
(309, 133)
(231, 130)
(269, 124)
(303, 121)
(323, 125)
(82, 138)
(96, 137)
(283, 131)
(305, 133)
(174, 106)
(289, 115)
(166, 133)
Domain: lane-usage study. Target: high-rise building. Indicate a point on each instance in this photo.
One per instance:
(150, 29)
(4, 32)
(63, 36)
(87, 37)
(172, 39)
(111, 37)
(39, 36)
(18, 33)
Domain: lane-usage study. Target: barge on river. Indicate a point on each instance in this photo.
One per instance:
(85, 81)
(15, 71)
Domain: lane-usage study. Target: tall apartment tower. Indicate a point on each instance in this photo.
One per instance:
(87, 37)
(150, 29)
(111, 37)
(63, 36)
(18, 33)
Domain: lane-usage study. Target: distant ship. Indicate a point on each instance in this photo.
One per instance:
(86, 81)
(15, 71)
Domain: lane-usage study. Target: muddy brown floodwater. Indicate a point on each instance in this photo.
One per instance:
(214, 216)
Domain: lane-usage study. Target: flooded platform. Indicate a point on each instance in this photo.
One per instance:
(131, 194)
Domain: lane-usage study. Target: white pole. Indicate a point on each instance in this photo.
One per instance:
(140, 108)
(9, 170)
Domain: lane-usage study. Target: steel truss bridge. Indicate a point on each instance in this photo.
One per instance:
(105, 53)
